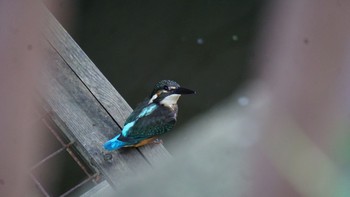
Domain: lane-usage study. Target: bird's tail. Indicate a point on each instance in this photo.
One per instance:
(114, 144)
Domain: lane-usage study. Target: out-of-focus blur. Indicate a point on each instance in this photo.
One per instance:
(207, 46)
(285, 132)
(20, 60)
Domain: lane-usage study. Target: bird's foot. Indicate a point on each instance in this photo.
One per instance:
(157, 141)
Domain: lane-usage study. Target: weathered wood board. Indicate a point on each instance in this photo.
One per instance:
(89, 109)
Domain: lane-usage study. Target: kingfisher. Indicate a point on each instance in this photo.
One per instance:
(154, 116)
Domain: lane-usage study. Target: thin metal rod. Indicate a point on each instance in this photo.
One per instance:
(54, 132)
(68, 149)
(51, 155)
(78, 162)
(37, 183)
(77, 186)
(47, 158)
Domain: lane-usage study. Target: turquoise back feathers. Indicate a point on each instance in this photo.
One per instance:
(156, 115)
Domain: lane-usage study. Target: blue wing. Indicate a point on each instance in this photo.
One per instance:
(155, 123)
(122, 140)
(146, 111)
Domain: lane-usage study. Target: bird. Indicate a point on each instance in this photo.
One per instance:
(154, 116)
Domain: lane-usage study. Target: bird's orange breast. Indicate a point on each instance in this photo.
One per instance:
(144, 142)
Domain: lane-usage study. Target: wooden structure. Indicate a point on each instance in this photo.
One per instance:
(89, 110)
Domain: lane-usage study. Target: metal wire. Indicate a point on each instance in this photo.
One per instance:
(37, 183)
(77, 186)
(47, 158)
(67, 147)
(71, 152)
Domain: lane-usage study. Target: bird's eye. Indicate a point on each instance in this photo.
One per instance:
(166, 88)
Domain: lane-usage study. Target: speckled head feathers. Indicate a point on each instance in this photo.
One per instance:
(169, 83)
(160, 85)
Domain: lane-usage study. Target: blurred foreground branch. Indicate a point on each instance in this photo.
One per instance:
(20, 56)
(293, 137)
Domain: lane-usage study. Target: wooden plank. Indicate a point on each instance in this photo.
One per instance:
(88, 122)
(85, 69)
(96, 82)
(102, 189)
(155, 154)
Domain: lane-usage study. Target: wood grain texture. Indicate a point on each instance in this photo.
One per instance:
(94, 80)
(87, 72)
(90, 109)
(88, 122)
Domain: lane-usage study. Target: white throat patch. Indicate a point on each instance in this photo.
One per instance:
(152, 99)
(170, 100)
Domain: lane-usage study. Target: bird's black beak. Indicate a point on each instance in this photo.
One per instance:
(181, 90)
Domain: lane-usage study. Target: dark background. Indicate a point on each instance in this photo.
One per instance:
(203, 45)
